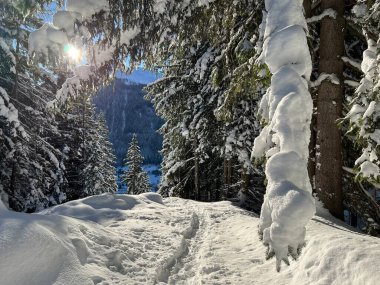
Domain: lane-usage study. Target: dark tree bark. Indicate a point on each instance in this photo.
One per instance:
(227, 172)
(307, 8)
(328, 174)
(307, 5)
(244, 179)
(354, 220)
(196, 180)
(229, 181)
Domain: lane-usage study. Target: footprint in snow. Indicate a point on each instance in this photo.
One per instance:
(81, 249)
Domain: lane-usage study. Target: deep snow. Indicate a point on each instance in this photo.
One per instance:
(121, 239)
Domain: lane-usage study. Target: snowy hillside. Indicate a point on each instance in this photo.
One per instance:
(121, 239)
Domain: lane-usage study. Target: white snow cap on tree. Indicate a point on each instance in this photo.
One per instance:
(287, 107)
(86, 8)
(52, 38)
(365, 113)
(47, 38)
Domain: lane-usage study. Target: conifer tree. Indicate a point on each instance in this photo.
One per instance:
(134, 176)
(31, 168)
(89, 159)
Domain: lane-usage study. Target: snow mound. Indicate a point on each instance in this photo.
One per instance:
(103, 207)
(121, 239)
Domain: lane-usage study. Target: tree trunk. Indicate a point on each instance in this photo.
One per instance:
(12, 184)
(354, 219)
(311, 163)
(307, 8)
(328, 176)
(227, 172)
(245, 179)
(196, 179)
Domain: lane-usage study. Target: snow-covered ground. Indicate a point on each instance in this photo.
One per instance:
(121, 239)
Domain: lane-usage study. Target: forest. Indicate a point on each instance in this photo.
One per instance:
(271, 105)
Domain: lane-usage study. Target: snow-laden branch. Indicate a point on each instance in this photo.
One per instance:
(324, 76)
(287, 106)
(365, 112)
(353, 63)
(351, 83)
(326, 13)
(10, 113)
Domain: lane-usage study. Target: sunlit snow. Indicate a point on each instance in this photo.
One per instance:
(122, 239)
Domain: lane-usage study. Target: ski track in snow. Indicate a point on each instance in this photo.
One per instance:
(130, 240)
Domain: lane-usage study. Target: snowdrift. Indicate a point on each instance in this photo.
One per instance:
(121, 239)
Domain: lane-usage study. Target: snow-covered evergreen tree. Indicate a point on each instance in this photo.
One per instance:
(106, 158)
(98, 173)
(134, 176)
(287, 107)
(89, 159)
(365, 112)
(34, 141)
(205, 82)
(31, 172)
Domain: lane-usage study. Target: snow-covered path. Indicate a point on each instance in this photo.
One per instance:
(121, 239)
(212, 246)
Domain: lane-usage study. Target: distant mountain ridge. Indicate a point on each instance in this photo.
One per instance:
(127, 112)
(139, 76)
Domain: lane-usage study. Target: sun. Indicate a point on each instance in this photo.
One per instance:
(73, 52)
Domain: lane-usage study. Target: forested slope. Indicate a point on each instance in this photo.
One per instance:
(127, 113)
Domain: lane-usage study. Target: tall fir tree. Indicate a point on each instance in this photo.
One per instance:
(134, 176)
(31, 168)
(34, 142)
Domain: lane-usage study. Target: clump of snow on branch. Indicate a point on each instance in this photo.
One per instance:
(365, 112)
(287, 108)
(54, 38)
(64, 20)
(9, 54)
(10, 113)
(47, 38)
(360, 10)
(326, 13)
(324, 76)
(84, 9)
(69, 26)
(72, 85)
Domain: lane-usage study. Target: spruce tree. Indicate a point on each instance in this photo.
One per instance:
(134, 176)
(31, 168)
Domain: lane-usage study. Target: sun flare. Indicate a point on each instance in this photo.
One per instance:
(73, 52)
